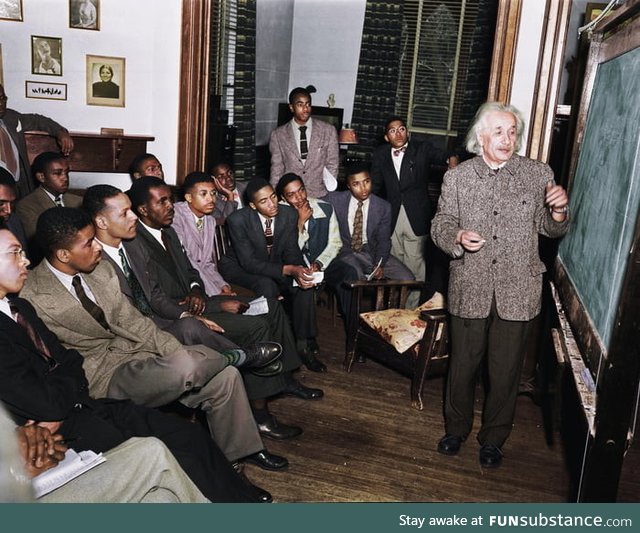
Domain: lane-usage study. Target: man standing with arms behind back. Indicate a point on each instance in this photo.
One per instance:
(490, 213)
(306, 147)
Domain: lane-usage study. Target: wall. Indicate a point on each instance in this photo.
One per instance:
(145, 32)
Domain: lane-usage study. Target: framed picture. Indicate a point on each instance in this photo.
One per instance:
(105, 80)
(84, 14)
(46, 55)
(11, 10)
(45, 91)
(593, 10)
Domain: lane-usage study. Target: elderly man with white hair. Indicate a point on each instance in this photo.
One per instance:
(490, 213)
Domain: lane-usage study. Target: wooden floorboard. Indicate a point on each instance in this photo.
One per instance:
(363, 442)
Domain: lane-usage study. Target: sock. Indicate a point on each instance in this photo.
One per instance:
(235, 357)
(261, 415)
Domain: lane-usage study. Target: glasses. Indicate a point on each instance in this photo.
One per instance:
(19, 253)
(393, 131)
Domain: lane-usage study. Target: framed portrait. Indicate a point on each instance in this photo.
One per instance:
(84, 14)
(45, 91)
(11, 10)
(46, 55)
(105, 80)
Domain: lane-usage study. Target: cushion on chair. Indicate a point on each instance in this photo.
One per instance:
(402, 328)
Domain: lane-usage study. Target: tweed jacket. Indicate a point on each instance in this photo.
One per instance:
(508, 210)
(199, 246)
(36, 203)
(411, 188)
(323, 152)
(378, 225)
(131, 336)
(17, 124)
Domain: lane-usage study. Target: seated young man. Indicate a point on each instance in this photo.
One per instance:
(229, 192)
(265, 257)
(145, 165)
(126, 356)
(42, 381)
(365, 230)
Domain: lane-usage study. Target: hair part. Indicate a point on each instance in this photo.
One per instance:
(193, 178)
(289, 177)
(95, 197)
(357, 167)
(479, 124)
(298, 91)
(254, 186)
(42, 161)
(57, 228)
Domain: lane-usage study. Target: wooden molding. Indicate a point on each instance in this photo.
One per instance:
(194, 87)
(504, 50)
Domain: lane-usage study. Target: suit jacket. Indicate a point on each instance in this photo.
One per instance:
(410, 190)
(509, 212)
(248, 249)
(323, 152)
(378, 225)
(34, 204)
(199, 246)
(17, 123)
(131, 336)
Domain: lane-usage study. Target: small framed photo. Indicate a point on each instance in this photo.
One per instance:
(11, 10)
(46, 55)
(84, 14)
(45, 91)
(105, 80)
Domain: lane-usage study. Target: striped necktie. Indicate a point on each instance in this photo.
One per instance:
(139, 299)
(304, 149)
(268, 234)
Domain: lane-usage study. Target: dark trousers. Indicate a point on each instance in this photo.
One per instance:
(107, 423)
(503, 343)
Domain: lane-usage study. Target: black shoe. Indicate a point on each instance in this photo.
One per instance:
(295, 388)
(262, 496)
(490, 456)
(267, 461)
(449, 444)
(312, 362)
(261, 354)
(272, 369)
(273, 429)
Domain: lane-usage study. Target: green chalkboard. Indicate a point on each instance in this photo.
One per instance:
(605, 192)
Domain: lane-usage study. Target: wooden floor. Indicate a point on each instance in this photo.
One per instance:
(364, 443)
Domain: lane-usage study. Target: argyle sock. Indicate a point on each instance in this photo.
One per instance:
(235, 357)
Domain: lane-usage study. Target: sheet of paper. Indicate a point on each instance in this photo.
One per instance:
(73, 465)
(318, 277)
(372, 273)
(259, 306)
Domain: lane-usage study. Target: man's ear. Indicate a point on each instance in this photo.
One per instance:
(188, 197)
(62, 255)
(100, 222)
(252, 206)
(142, 210)
(40, 176)
(386, 138)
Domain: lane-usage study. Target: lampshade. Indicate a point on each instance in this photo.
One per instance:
(347, 136)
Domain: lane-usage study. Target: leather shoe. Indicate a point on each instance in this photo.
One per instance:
(273, 429)
(261, 354)
(272, 369)
(312, 362)
(490, 456)
(295, 388)
(449, 444)
(267, 461)
(262, 496)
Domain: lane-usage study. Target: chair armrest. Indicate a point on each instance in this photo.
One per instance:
(430, 315)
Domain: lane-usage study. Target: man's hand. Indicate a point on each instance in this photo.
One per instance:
(65, 142)
(195, 301)
(213, 326)
(555, 197)
(470, 240)
(305, 212)
(227, 193)
(227, 291)
(234, 306)
(304, 276)
(378, 273)
(39, 449)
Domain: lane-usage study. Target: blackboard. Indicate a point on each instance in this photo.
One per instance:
(605, 192)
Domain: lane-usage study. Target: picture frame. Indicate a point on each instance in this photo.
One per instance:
(105, 81)
(592, 10)
(84, 14)
(11, 10)
(46, 55)
(45, 91)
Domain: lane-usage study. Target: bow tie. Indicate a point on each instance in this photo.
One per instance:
(397, 152)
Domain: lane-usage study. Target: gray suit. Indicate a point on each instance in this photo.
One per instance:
(323, 152)
(34, 204)
(136, 360)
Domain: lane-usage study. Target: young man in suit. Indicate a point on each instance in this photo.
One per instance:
(126, 355)
(306, 147)
(365, 229)
(42, 381)
(230, 193)
(400, 174)
(51, 169)
(13, 148)
(145, 165)
(265, 257)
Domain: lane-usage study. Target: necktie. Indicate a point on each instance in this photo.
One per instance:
(200, 223)
(139, 298)
(35, 337)
(58, 201)
(304, 150)
(6, 152)
(89, 305)
(356, 236)
(268, 233)
(399, 151)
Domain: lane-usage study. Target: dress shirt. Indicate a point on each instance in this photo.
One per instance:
(114, 253)
(397, 159)
(16, 155)
(67, 281)
(5, 308)
(263, 221)
(353, 206)
(155, 233)
(53, 196)
(296, 133)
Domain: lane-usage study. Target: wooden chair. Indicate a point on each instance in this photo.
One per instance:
(427, 356)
